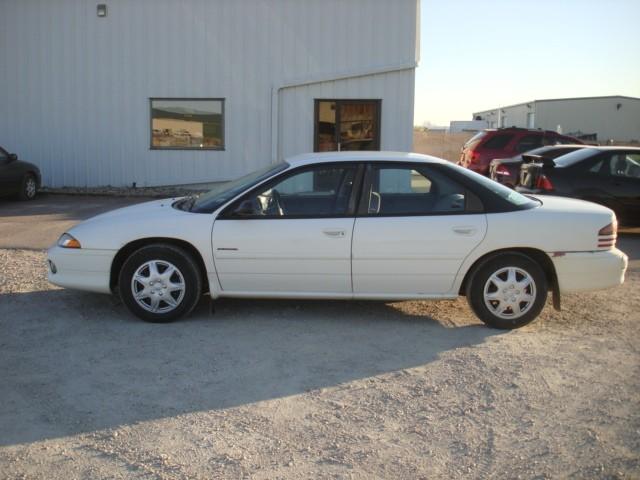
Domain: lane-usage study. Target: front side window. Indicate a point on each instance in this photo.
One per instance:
(189, 123)
(320, 191)
(403, 190)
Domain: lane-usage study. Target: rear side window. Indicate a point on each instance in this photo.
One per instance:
(529, 142)
(497, 142)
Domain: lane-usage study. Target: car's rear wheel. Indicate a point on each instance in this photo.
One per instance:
(508, 291)
(28, 187)
(160, 283)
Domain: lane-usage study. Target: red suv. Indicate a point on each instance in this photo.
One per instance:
(486, 145)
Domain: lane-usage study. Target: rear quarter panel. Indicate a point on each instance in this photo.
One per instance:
(548, 229)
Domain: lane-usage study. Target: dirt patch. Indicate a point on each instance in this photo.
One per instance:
(440, 144)
(276, 389)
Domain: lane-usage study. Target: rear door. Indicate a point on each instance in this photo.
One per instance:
(291, 235)
(414, 229)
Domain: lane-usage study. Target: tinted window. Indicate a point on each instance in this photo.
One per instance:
(412, 191)
(529, 142)
(497, 142)
(574, 157)
(314, 192)
(558, 152)
(3, 157)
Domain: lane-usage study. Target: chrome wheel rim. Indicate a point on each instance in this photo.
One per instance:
(30, 188)
(158, 286)
(509, 293)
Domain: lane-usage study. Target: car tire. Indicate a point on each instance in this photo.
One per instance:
(507, 291)
(28, 187)
(160, 283)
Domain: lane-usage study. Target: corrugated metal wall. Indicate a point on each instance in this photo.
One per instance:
(74, 88)
(612, 118)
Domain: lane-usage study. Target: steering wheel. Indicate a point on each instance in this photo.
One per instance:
(277, 203)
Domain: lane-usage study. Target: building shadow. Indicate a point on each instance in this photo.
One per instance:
(77, 362)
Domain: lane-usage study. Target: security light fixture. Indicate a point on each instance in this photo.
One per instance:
(102, 10)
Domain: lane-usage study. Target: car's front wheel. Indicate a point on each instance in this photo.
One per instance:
(160, 283)
(508, 291)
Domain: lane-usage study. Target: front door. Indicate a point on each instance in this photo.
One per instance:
(347, 125)
(415, 228)
(289, 236)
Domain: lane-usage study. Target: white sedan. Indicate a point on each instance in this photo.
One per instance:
(364, 225)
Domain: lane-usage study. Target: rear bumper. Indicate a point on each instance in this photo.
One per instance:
(81, 269)
(583, 271)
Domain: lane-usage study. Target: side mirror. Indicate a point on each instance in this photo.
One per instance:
(245, 209)
(13, 157)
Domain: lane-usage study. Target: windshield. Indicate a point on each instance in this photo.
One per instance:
(220, 194)
(575, 157)
(504, 192)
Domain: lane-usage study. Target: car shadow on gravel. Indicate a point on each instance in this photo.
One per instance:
(77, 362)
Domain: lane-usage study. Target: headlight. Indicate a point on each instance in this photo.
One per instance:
(67, 241)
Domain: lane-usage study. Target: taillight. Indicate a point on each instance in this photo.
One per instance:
(502, 170)
(544, 183)
(607, 235)
(473, 157)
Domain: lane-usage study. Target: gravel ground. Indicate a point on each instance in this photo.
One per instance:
(274, 389)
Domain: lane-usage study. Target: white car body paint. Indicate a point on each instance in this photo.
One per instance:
(386, 258)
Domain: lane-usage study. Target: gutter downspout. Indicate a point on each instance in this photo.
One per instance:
(275, 94)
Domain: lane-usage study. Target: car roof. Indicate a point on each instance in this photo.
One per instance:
(614, 147)
(360, 156)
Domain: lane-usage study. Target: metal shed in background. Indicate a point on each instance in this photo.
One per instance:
(162, 92)
(607, 118)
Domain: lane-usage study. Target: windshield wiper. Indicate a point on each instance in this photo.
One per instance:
(186, 203)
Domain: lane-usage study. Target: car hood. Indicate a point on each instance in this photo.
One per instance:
(155, 219)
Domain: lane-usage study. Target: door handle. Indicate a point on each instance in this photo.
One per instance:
(334, 233)
(464, 230)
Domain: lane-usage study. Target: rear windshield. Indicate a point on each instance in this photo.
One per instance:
(574, 157)
(551, 151)
(473, 141)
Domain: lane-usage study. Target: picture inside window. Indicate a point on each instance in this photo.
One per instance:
(187, 123)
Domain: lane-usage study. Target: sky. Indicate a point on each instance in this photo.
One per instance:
(476, 55)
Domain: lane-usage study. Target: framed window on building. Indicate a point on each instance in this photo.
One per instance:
(347, 125)
(187, 123)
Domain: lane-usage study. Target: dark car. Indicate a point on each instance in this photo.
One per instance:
(486, 145)
(17, 177)
(609, 176)
(507, 170)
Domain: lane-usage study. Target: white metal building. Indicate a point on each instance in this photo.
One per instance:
(610, 118)
(164, 92)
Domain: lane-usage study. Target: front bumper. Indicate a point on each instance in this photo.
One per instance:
(583, 271)
(81, 269)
